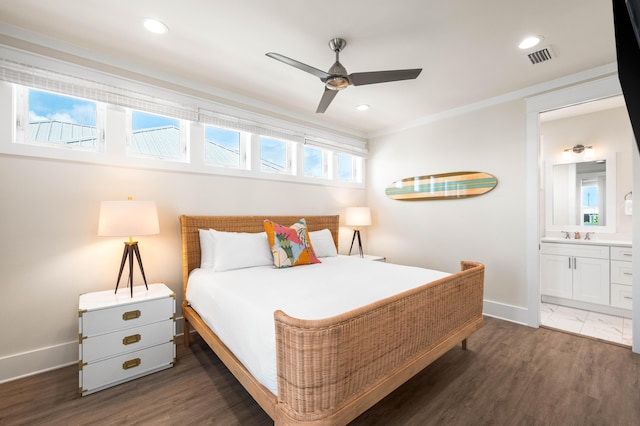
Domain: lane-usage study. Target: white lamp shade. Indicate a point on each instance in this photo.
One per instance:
(128, 218)
(358, 216)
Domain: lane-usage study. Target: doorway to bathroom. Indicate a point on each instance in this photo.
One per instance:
(586, 179)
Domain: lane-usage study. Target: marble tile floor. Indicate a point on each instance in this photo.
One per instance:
(593, 324)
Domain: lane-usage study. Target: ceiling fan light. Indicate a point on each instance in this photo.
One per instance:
(337, 83)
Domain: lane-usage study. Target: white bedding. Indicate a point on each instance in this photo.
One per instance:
(238, 305)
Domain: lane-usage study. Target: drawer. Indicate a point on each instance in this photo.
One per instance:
(621, 253)
(98, 375)
(577, 250)
(621, 272)
(113, 318)
(128, 340)
(621, 296)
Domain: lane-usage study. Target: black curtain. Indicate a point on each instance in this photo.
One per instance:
(628, 52)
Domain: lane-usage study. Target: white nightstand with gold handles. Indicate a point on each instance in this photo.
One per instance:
(123, 337)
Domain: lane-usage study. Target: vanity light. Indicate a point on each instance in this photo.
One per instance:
(589, 153)
(578, 149)
(155, 26)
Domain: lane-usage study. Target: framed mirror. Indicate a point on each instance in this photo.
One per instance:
(581, 196)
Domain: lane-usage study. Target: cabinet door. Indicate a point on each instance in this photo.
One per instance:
(591, 280)
(556, 275)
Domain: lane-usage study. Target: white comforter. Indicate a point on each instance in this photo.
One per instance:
(238, 305)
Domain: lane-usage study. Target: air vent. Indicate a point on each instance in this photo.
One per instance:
(542, 55)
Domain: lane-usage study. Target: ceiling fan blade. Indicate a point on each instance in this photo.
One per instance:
(304, 67)
(326, 99)
(360, 78)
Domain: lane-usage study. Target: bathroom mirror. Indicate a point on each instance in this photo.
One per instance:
(581, 196)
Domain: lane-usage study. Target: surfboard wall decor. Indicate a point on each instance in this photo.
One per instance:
(443, 186)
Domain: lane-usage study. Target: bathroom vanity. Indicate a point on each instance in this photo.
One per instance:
(593, 275)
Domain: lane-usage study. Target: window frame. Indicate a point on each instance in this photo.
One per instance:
(290, 148)
(357, 164)
(325, 162)
(115, 134)
(21, 114)
(184, 140)
(244, 148)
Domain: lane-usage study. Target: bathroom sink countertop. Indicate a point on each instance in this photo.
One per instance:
(593, 241)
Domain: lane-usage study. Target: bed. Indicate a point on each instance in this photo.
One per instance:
(330, 370)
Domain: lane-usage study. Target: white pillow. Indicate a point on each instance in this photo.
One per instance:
(206, 249)
(323, 244)
(235, 250)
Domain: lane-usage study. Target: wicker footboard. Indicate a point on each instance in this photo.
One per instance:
(332, 370)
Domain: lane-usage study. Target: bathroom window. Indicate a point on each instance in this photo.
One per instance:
(590, 202)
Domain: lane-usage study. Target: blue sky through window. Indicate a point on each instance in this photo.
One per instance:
(345, 166)
(143, 120)
(312, 162)
(227, 138)
(44, 106)
(273, 151)
(590, 196)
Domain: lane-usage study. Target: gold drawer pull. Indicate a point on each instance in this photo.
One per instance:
(132, 363)
(134, 338)
(131, 315)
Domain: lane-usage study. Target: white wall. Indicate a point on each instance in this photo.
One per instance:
(51, 252)
(439, 234)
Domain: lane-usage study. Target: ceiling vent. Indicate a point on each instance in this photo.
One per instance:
(541, 55)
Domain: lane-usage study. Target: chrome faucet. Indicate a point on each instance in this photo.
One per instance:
(566, 235)
(587, 236)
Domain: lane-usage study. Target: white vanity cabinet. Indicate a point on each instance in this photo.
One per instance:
(575, 271)
(621, 267)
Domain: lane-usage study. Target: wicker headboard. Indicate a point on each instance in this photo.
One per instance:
(189, 226)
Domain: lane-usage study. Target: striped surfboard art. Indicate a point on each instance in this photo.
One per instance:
(442, 186)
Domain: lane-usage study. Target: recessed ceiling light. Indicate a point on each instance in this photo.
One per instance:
(155, 26)
(529, 42)
(363, 107)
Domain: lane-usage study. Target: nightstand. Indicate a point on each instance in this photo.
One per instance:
(123, 337)
(371, 257)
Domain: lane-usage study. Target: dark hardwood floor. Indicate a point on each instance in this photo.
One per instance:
(510, 375)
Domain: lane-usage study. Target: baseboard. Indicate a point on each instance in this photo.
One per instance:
(609, 310)
(25, 364)
(511, 313)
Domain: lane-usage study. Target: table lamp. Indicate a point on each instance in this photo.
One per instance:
(126, 219)
(357, 217)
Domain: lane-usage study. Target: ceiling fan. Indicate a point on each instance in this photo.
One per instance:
(337, 78)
